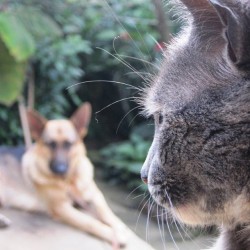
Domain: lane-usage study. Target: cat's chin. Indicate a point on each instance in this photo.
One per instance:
(189, 213)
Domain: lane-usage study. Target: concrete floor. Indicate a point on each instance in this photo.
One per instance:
(146, 227)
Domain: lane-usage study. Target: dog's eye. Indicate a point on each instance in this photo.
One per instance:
(66, 144)
(52, 145)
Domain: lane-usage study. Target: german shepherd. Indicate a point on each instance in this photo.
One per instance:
(59, 175)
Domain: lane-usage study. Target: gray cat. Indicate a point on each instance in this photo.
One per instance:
(198, 166)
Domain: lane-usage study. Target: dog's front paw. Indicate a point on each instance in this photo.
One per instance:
(4, 221)
(118, 242)
(121, 235)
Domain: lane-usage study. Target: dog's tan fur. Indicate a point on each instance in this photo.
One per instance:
(57, 194)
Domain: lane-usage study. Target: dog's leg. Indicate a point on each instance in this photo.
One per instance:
(106, 215)
(4, 221)
(68, 214)
(22, 200)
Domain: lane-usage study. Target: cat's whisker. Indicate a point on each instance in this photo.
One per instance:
(105, 81)
(125, 117)
(124, 63)
(141, 72)
(120, 100)
(145, 63)
(138, 196)
(157, 43)
(182, 226)
(163, 228)
(179, 231)
(128, 196)
(120, 23)
(146, 203)
(133, 119)
(160, 226)
(148, 218)
(176, 225)
(171, 235)
(141, 60)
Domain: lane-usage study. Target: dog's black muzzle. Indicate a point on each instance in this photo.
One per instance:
(59, 168)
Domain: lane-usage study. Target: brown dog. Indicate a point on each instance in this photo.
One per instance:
(62, 175)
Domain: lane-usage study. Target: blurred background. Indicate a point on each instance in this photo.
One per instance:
(57, 54)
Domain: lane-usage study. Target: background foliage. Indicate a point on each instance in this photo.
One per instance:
(91, 41)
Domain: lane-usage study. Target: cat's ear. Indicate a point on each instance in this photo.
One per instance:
(235, 17)
(204, 15)
(197, 6)
(206, 24)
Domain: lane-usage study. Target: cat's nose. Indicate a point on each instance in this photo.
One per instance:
(144, 177)
(145, 169)
(147, 163)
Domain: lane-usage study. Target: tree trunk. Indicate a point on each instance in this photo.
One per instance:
(162, 21)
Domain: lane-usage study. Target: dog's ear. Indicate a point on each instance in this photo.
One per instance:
(81, 118)
(36, 123)
(235, 17)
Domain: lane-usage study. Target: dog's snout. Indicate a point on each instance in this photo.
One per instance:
(58, 167)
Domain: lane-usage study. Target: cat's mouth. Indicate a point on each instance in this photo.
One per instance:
(174, 190)
(160, 195)
(179, 203)
(192, 209)
(188, 213)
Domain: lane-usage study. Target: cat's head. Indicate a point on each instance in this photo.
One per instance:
(199, 163)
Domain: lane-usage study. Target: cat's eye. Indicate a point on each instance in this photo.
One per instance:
(158, 118)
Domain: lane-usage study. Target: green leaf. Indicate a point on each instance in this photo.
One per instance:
(16, 38)
(134, 167)
(106, 35)
(125, 149)
(42, 24)
(12, 76)
(141, 150)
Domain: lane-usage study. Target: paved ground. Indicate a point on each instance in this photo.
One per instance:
(123, 204)
(39, 232)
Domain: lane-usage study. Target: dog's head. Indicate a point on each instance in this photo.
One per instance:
(199, 163)
(57, 140)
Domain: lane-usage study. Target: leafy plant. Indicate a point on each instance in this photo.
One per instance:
(59, 66)
(25, 29)
(87, 40)
(12, 76)
(17, 45)
(15, 48)
(123, 160)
